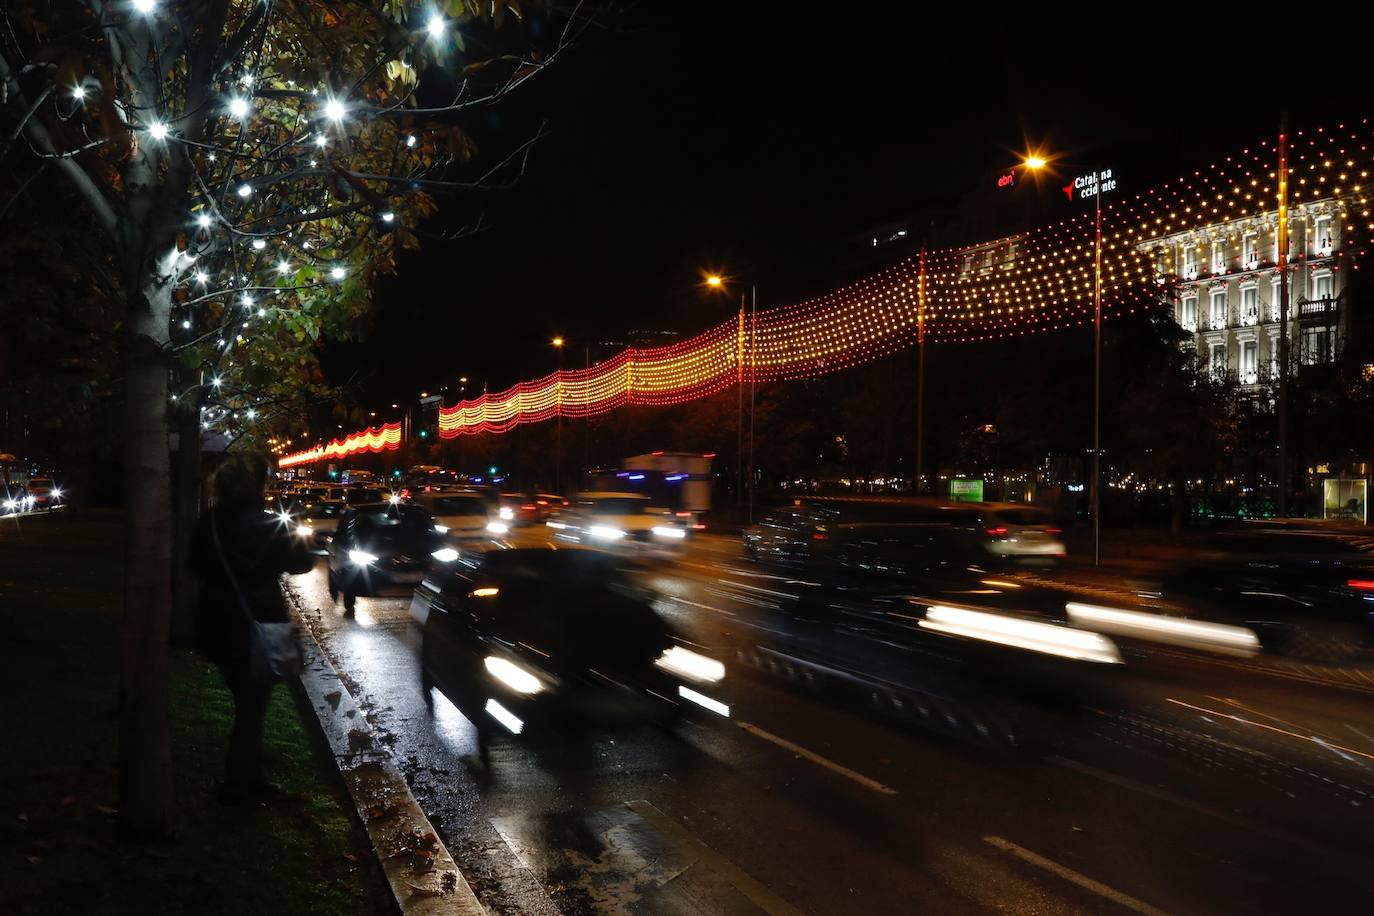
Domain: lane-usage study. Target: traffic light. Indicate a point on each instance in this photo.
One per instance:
(492, 469)
(424, 434)
(334, 475)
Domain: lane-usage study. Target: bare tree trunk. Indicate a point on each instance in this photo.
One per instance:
(185, 511)
(145, 759)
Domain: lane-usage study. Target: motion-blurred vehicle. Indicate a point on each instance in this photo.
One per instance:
(382, 545)
(356, 476)
(16, 499)
(621, 520)
(461, 515)
(990, 534)
(317, 523)
(43, 493)
(529, 508)
(1305, 594)
(526, 637)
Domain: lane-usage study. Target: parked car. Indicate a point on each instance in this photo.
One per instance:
(379, 546)
(462, 515)
(620, 520)
(529, 638)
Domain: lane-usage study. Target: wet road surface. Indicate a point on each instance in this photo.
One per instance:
(1173, 784)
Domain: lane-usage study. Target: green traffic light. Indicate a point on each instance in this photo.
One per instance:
(424, 433)
(492, 470)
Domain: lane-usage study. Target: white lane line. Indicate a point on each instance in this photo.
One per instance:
(829, 764)
(1068, 874)
(707, 607)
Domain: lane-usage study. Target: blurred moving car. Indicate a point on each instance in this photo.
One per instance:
(529, 508)
(318, 522)
(994, 534)
(462, 515)
(1306, 594)
(382, 545)
(613, 519)
(43, 493)
(17, 499)
(526, 637)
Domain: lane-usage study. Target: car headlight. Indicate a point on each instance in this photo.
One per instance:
(9, 504)
(304, 531)
(605, 533)
(497, 527)
(507, 513)
(512, 675)
(56, 493)
(442, 529)
(666, 531)
(445, 554)
(691, 665)
(362, 557)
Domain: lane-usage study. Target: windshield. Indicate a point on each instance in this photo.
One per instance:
(460, 505)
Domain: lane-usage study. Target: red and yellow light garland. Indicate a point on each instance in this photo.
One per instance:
(1039, 281)
(383, 437)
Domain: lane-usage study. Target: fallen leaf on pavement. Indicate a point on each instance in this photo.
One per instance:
(419, 891)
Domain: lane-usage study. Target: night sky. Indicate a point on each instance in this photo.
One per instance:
(759, 141)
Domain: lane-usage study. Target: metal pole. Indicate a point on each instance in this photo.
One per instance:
(1097, 373)
(753, 364)
(586, 429)
(1283, 316)
(558, 436)
(739, 421)
(918, 482)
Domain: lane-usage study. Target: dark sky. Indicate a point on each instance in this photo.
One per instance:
(757, 138)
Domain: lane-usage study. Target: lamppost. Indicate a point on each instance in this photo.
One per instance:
(717, 282)
(557, 344)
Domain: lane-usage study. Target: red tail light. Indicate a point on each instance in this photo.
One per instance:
(683, 514)
(1361, 585)
(528, 507)
(1054, 530)
(818, 536)
(997, 532)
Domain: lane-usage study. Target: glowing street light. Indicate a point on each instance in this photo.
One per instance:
(557, 341)
(1035, 162)
(714, 281)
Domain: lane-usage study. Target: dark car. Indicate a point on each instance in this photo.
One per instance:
(527, 638)
(380, 546)
(1310, 595)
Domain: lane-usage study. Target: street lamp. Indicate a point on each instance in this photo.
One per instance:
(717, 283)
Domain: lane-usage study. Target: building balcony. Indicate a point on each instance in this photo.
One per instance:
(1313, 309)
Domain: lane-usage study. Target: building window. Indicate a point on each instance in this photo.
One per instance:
(1218, 315)
(1217, 364)
(1250, 252)
(1321, 286)
(968, 264)
(1321, 235)
(1218, 257)
(1249, 305)
(1316, 346)
(1249, 362)
(1190, 262)
(1187, 314)
(1275, 299)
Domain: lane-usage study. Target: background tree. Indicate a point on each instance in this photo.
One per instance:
(246, 165)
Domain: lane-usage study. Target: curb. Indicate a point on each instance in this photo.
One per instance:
(423, 877)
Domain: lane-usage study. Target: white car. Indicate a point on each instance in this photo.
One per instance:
(623, 520)
(1020, 533)
(462, 515)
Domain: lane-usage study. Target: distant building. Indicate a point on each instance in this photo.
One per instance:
(1226, 290)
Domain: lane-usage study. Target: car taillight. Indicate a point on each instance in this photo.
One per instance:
(1054, 531)
(1360, 585)
(818, 536)
(683, 514)
(528, 507)
(997, 532)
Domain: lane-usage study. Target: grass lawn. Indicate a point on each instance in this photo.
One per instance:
(60, 580)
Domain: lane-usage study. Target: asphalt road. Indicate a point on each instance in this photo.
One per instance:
(1172, 784)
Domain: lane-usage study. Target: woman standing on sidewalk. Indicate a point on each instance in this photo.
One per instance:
(239, 553)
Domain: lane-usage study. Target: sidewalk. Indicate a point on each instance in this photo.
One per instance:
(60, 582)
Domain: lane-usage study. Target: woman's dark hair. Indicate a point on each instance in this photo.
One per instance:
(240, 480)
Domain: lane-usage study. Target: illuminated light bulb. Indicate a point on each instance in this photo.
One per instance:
(203, 221)
(337, 273)
(436, 26)
(245, 191)
(216, 381)
(201, 277)
(251, 414)
(259, 244)
(334, 110)
(410, 140)
(238, 107)
(247, 302)
(185, 324)
(283, 267)
(157, 130)
(388, 217)
(145, 6)
(78, 92)
(321, 141)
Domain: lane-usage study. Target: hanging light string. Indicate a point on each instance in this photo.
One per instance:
(1032, 283)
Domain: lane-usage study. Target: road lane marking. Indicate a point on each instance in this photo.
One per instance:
(829, 764)
(707, 607)
(1068, 874)
(1282, 731)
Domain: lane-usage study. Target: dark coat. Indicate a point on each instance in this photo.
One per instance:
(258, 548)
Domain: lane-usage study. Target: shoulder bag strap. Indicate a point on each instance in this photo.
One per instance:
(228, 571)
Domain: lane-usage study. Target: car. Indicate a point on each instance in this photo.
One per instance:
(528, 639)
(17, 499)
(378, 546)
(317, 523)
(529, 508)
(619, 520)
(1306, 594)
(463, 515)
(1017, 533)
(43, 493)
